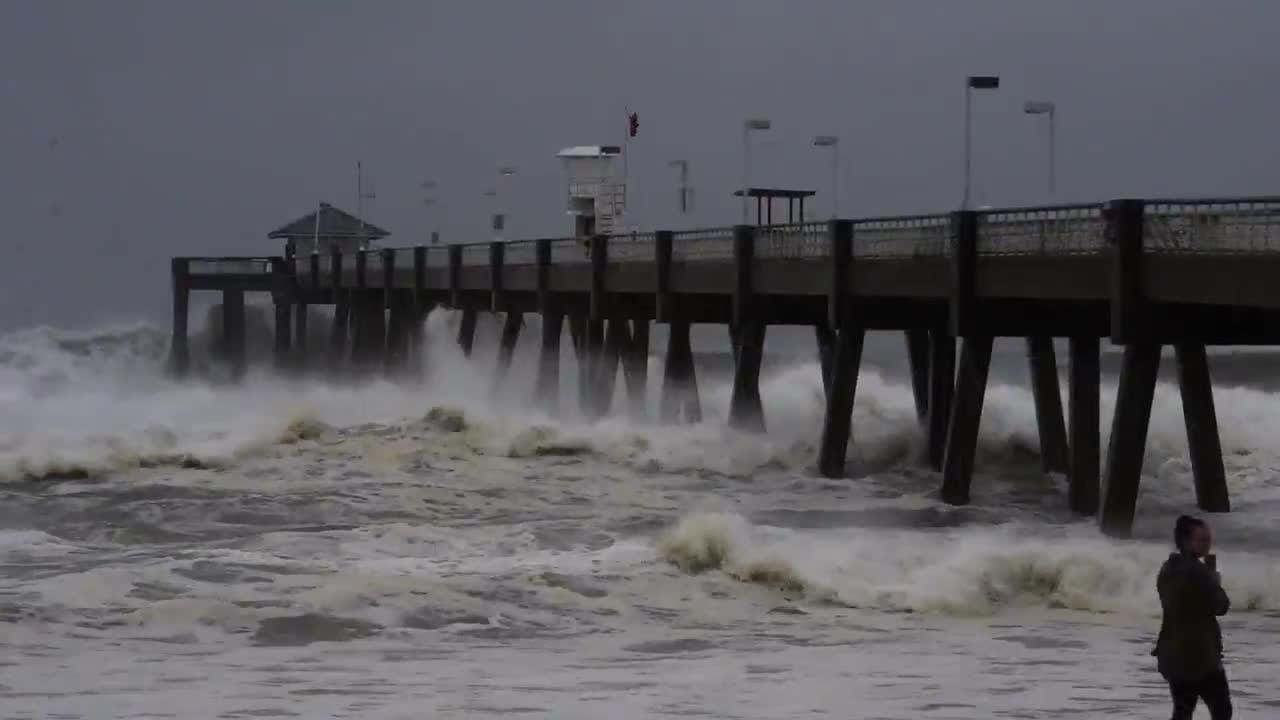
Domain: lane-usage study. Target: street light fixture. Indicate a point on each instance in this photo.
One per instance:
(1045, 107)
(747, 126)
(832, 142)
(973, 82)
(499, 216)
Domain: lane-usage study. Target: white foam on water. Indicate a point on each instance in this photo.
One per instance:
(970, 571)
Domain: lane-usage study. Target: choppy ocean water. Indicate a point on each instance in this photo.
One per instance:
(431, 547)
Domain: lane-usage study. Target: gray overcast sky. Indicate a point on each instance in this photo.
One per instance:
(134, 130)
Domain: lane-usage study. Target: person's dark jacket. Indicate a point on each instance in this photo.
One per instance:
(1190, 642)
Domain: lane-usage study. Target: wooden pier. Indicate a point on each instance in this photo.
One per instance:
(1142, 273)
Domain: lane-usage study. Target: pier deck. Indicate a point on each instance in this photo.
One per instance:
(1142, 273)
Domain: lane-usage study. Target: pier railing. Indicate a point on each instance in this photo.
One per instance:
(1169, 226)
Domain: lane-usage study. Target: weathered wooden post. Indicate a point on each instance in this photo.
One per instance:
(838, 421)
(825, 337)
(679, 377)
(918, 361)
(233, 331)
(1201, 420)
(975, 361)
(546, 392)
(598, 308)
(417, 350)
(1048, 401)
(1082, 405)
(1141, 363)
(942, 377)
(467, 326)
(341, 313)
(393, 310)
(745, 409)
(179, 347)
(635, 368)
(281, 290)
(511, 326)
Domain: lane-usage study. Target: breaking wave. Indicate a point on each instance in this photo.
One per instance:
(962, 572)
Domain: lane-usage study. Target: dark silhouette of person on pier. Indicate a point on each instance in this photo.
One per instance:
(1189, 648)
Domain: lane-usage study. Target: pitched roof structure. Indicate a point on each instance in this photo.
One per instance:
(334, 224)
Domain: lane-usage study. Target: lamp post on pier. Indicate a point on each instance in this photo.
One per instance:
(832, 142)
(747, 126)
(972, 82)
(1045, 107)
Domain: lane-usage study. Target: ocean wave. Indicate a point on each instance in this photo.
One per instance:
(964, 572)
(76, 405)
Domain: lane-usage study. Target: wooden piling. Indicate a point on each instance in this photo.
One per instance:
(679, 377)
(593, 342)
(918, 362)
(1201, 420)
(745, 409)
(1084, 441)
(966, 416)
(421, 306)
(546, 393)
(511, 325)
(341, 314)
(179, 347)
(400, 321)
(836, 425)
(467, 330)
(578, 337)
(233, 331)
(635, 369)
(617, 339)
(1048, 401)
(825, 338)
(746, 412)
(283, 334)
(300, 313)
(1128, 442)
(942, 373)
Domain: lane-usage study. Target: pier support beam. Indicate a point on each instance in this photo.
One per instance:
(745, 409)
(1128, 443)
(370, 330)
(679, 378)
(839, 417)
(1082, 405)
(233, 332)
(283, 335)
(593, 343)
(942, 373)
(578, 337)
(400, 313)
(617, 343)
(546, 389)
(826, 339)
(635, 369)
(507, 345)
(467, 330)
(1201, 420)
(338, 329)
(918, 361)
(1048, 400)
(300, 312)
(179, 347)
(966, 416)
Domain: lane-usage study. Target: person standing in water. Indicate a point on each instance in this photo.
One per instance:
(1189, 648)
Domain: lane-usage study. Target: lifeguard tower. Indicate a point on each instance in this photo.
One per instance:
(597, 194)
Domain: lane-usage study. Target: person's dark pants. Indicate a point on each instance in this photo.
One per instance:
(1212, 688)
